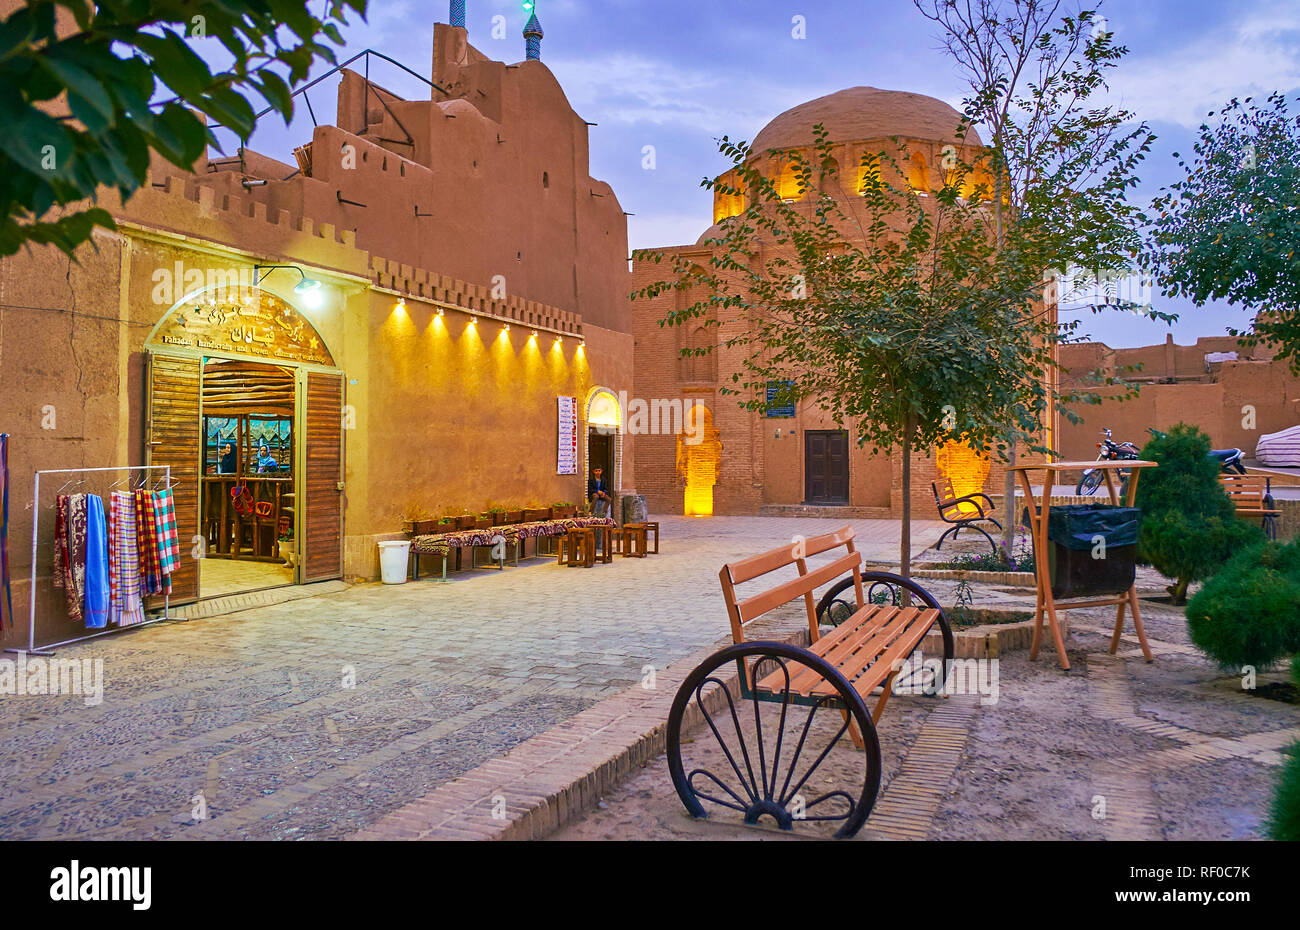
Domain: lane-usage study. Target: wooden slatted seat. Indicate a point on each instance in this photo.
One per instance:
(765, 766)
(868, 647)
(1252, 495)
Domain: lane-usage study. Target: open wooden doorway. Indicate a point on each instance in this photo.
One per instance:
(248, 484)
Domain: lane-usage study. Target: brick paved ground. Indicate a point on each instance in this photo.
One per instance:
(246, 717)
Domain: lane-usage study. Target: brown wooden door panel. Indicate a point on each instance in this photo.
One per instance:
(173, 438)
(826, 467)
(322, 544)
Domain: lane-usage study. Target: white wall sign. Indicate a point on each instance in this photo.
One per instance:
(566, 462)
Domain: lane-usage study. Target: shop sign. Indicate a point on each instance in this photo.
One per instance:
(567, 452)
(258, 324)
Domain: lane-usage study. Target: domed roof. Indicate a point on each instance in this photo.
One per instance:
(860, 113)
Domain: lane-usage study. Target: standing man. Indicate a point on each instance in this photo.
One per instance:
(598, 494)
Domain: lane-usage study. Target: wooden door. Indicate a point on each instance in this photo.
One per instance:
(320, 483)
(826, 466)
(173, 437)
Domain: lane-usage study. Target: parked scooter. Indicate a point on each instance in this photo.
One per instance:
(1230, 461)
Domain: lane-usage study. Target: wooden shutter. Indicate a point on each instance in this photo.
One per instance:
(322, 500)
(173, 438)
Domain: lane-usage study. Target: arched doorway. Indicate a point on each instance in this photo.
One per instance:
(245, 404)
(699, 455)
(605, 437)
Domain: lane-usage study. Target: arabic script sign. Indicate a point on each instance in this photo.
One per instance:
(253, 322)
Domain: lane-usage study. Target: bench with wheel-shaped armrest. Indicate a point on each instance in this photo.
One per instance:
(875, 642)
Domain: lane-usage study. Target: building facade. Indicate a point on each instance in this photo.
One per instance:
(404, 317)
(793, 460)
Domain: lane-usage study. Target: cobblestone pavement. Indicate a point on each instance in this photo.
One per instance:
(1115, 749)
(315, 717)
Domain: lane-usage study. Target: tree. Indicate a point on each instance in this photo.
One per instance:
(1284, 817)
(888, 310)
(80, 105)
(1189, 525)
(1248, 613)
(1062, 164)
(1230, 228)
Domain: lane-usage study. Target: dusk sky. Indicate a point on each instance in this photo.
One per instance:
(677, 75)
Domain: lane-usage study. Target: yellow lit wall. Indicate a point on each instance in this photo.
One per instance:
(699, 462)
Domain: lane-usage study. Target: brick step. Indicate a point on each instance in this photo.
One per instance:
(831, 512)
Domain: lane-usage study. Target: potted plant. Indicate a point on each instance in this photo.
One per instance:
(411, 515)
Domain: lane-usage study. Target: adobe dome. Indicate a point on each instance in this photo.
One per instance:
(860, 113)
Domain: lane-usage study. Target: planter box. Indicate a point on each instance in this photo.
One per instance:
(514, 516)
(466, 522)
(536, 514)
(560, 513)
(991, 640)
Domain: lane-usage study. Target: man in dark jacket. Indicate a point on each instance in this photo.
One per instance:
(598, 494)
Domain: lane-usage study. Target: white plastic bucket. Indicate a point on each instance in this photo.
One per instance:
(393, 558)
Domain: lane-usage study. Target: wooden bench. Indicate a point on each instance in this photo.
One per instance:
(1252, 495)
(860, 658)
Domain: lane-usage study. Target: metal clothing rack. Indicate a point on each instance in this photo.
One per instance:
(48, 648)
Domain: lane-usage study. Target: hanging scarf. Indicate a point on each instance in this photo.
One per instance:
(97, 586)
(7, 606)
(146, 534)
(70, 551)
(169, 547)
(124, 605)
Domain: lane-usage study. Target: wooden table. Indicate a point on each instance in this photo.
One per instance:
(1046, 603)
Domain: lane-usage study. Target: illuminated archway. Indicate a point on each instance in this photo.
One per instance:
(605, 415)
(699, 456)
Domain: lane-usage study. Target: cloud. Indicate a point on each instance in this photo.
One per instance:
(637, 90)
(1258, 54)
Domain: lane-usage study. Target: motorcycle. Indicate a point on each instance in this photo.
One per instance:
(1110, 451)
(1230, 461)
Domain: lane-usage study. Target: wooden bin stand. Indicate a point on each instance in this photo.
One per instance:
(1048, 605)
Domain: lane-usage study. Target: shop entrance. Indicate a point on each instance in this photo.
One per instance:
(248, 482)
(246, 408)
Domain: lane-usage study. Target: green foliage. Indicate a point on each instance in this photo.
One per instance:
(1284, 817)
(1249, 612)
(1189, 526)
(80, 101)
(1227, 230)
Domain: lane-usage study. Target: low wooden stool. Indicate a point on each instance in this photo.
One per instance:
(580, 547)
(606, 536)
(653, 527)
(634, 540)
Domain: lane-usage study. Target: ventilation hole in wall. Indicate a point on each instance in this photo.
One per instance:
(402, 169)
(365, 156)
(546, 180)
(383, 166)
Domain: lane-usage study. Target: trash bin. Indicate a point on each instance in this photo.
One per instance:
(393, 558)
(1079, 564)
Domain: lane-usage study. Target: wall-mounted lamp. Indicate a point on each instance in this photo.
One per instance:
(308, 289)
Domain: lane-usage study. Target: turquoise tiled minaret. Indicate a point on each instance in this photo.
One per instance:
(533, 38)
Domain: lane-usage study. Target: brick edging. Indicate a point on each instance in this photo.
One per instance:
(1019, 579)
(556, 776)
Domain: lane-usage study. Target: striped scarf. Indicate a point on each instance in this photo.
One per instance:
(124, 605)
(169, 547)
(146, 536)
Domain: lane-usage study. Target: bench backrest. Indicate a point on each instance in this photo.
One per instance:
(1245, 489)
(741, 610)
